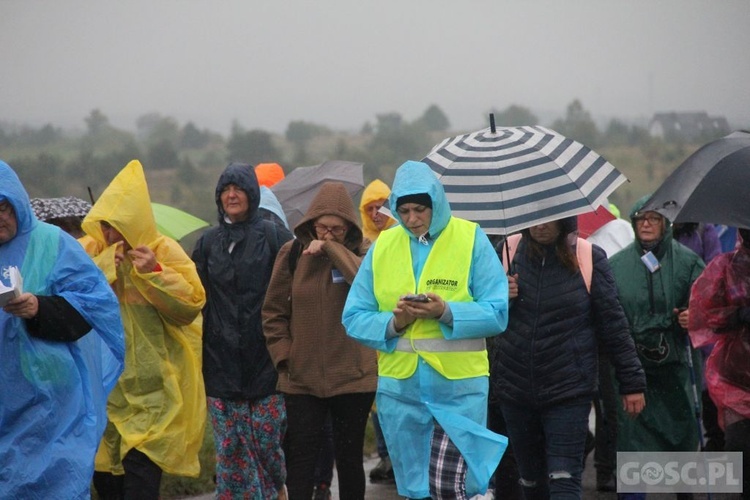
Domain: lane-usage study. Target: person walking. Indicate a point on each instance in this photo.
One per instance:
(544, 370)
(653, 276)
(321, 370)
(61, 351)
(374, 196)
(720, 315)
(432, 362)
(234, 261)
(157, 410)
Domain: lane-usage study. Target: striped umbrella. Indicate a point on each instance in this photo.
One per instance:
(511, 178)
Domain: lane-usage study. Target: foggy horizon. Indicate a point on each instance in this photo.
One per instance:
(339, 64)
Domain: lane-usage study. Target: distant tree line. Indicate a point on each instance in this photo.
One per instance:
(53, 161)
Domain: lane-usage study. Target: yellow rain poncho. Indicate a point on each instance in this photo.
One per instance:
(158, 405)
(376, 190)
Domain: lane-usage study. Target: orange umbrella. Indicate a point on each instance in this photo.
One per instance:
(269, 173)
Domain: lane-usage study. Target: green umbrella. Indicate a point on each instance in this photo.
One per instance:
(174, 222)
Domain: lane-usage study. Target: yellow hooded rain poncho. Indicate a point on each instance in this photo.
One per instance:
(158, 405)
(376, 190)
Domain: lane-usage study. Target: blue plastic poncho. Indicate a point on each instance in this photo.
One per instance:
(53, 394)
(408, 407)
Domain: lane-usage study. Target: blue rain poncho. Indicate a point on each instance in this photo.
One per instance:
(459, 406)
(159, 403)
(54, 393)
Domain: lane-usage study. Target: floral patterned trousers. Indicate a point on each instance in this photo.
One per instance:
(248, 436)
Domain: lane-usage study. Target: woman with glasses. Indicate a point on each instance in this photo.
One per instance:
(320, 369)
(653, 276)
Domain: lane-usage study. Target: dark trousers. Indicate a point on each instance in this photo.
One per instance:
(306, 418)
(549, 444)
(141, 481)
(605, 409)
(326, 456)
(737, 438)
(505, 479)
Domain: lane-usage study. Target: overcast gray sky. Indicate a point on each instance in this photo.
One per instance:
(341, 62)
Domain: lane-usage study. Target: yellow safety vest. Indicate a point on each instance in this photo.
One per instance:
(446, 273)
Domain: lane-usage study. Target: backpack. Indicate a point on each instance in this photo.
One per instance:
(584, 254)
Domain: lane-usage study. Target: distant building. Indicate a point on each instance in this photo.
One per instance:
(687, 126)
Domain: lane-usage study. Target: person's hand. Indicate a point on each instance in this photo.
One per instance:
(24, 306)
(401, 319)
(633, 404)
(512, 286)
(424, 310)
(119, 253)
(143, 258)
(682, 316)
(314, 248)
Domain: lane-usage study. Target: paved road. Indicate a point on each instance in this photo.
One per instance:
(388, 492)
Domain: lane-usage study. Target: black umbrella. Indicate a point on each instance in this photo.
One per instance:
(712, 185)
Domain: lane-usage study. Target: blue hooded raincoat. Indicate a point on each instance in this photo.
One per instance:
(54, 394)
(408, 407)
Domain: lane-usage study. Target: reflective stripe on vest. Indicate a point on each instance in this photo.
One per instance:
(440, 345)
(446, 273)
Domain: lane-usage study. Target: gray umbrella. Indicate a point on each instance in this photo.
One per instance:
(711, 185)
(297, 190)
(56, 208)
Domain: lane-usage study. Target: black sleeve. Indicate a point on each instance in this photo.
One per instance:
(57, 320)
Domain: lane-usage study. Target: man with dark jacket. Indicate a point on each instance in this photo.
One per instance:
(234, 261)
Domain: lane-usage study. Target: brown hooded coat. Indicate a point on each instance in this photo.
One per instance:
(302, 310)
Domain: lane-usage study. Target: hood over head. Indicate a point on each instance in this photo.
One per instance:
(415, 177)
(243, 176)
(126, 205)
(635, 212)
(332, 199)
(376, 190)
(13, 191)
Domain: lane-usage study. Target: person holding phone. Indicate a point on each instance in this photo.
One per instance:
(433, 369)
(653, 276)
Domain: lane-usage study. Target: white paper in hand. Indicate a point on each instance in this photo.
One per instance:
(16, 286)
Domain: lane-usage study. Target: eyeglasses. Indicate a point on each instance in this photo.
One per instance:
(322, 230)
(651, 219)
(6, 208)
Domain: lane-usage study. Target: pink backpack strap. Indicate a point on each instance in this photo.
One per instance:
(511, 242)
(584, 254)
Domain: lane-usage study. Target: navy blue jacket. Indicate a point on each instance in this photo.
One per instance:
(548, 354)
(236, 363)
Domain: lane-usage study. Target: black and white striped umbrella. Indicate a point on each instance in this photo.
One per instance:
(517, 177)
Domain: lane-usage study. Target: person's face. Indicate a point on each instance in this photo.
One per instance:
(649, 227)
(8, 222)
(234, 202)
(111, 235)
(547, 233)
(371, 209)
(331, 227)
(416, 218)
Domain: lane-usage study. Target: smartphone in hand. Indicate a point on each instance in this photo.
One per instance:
(416, 298)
